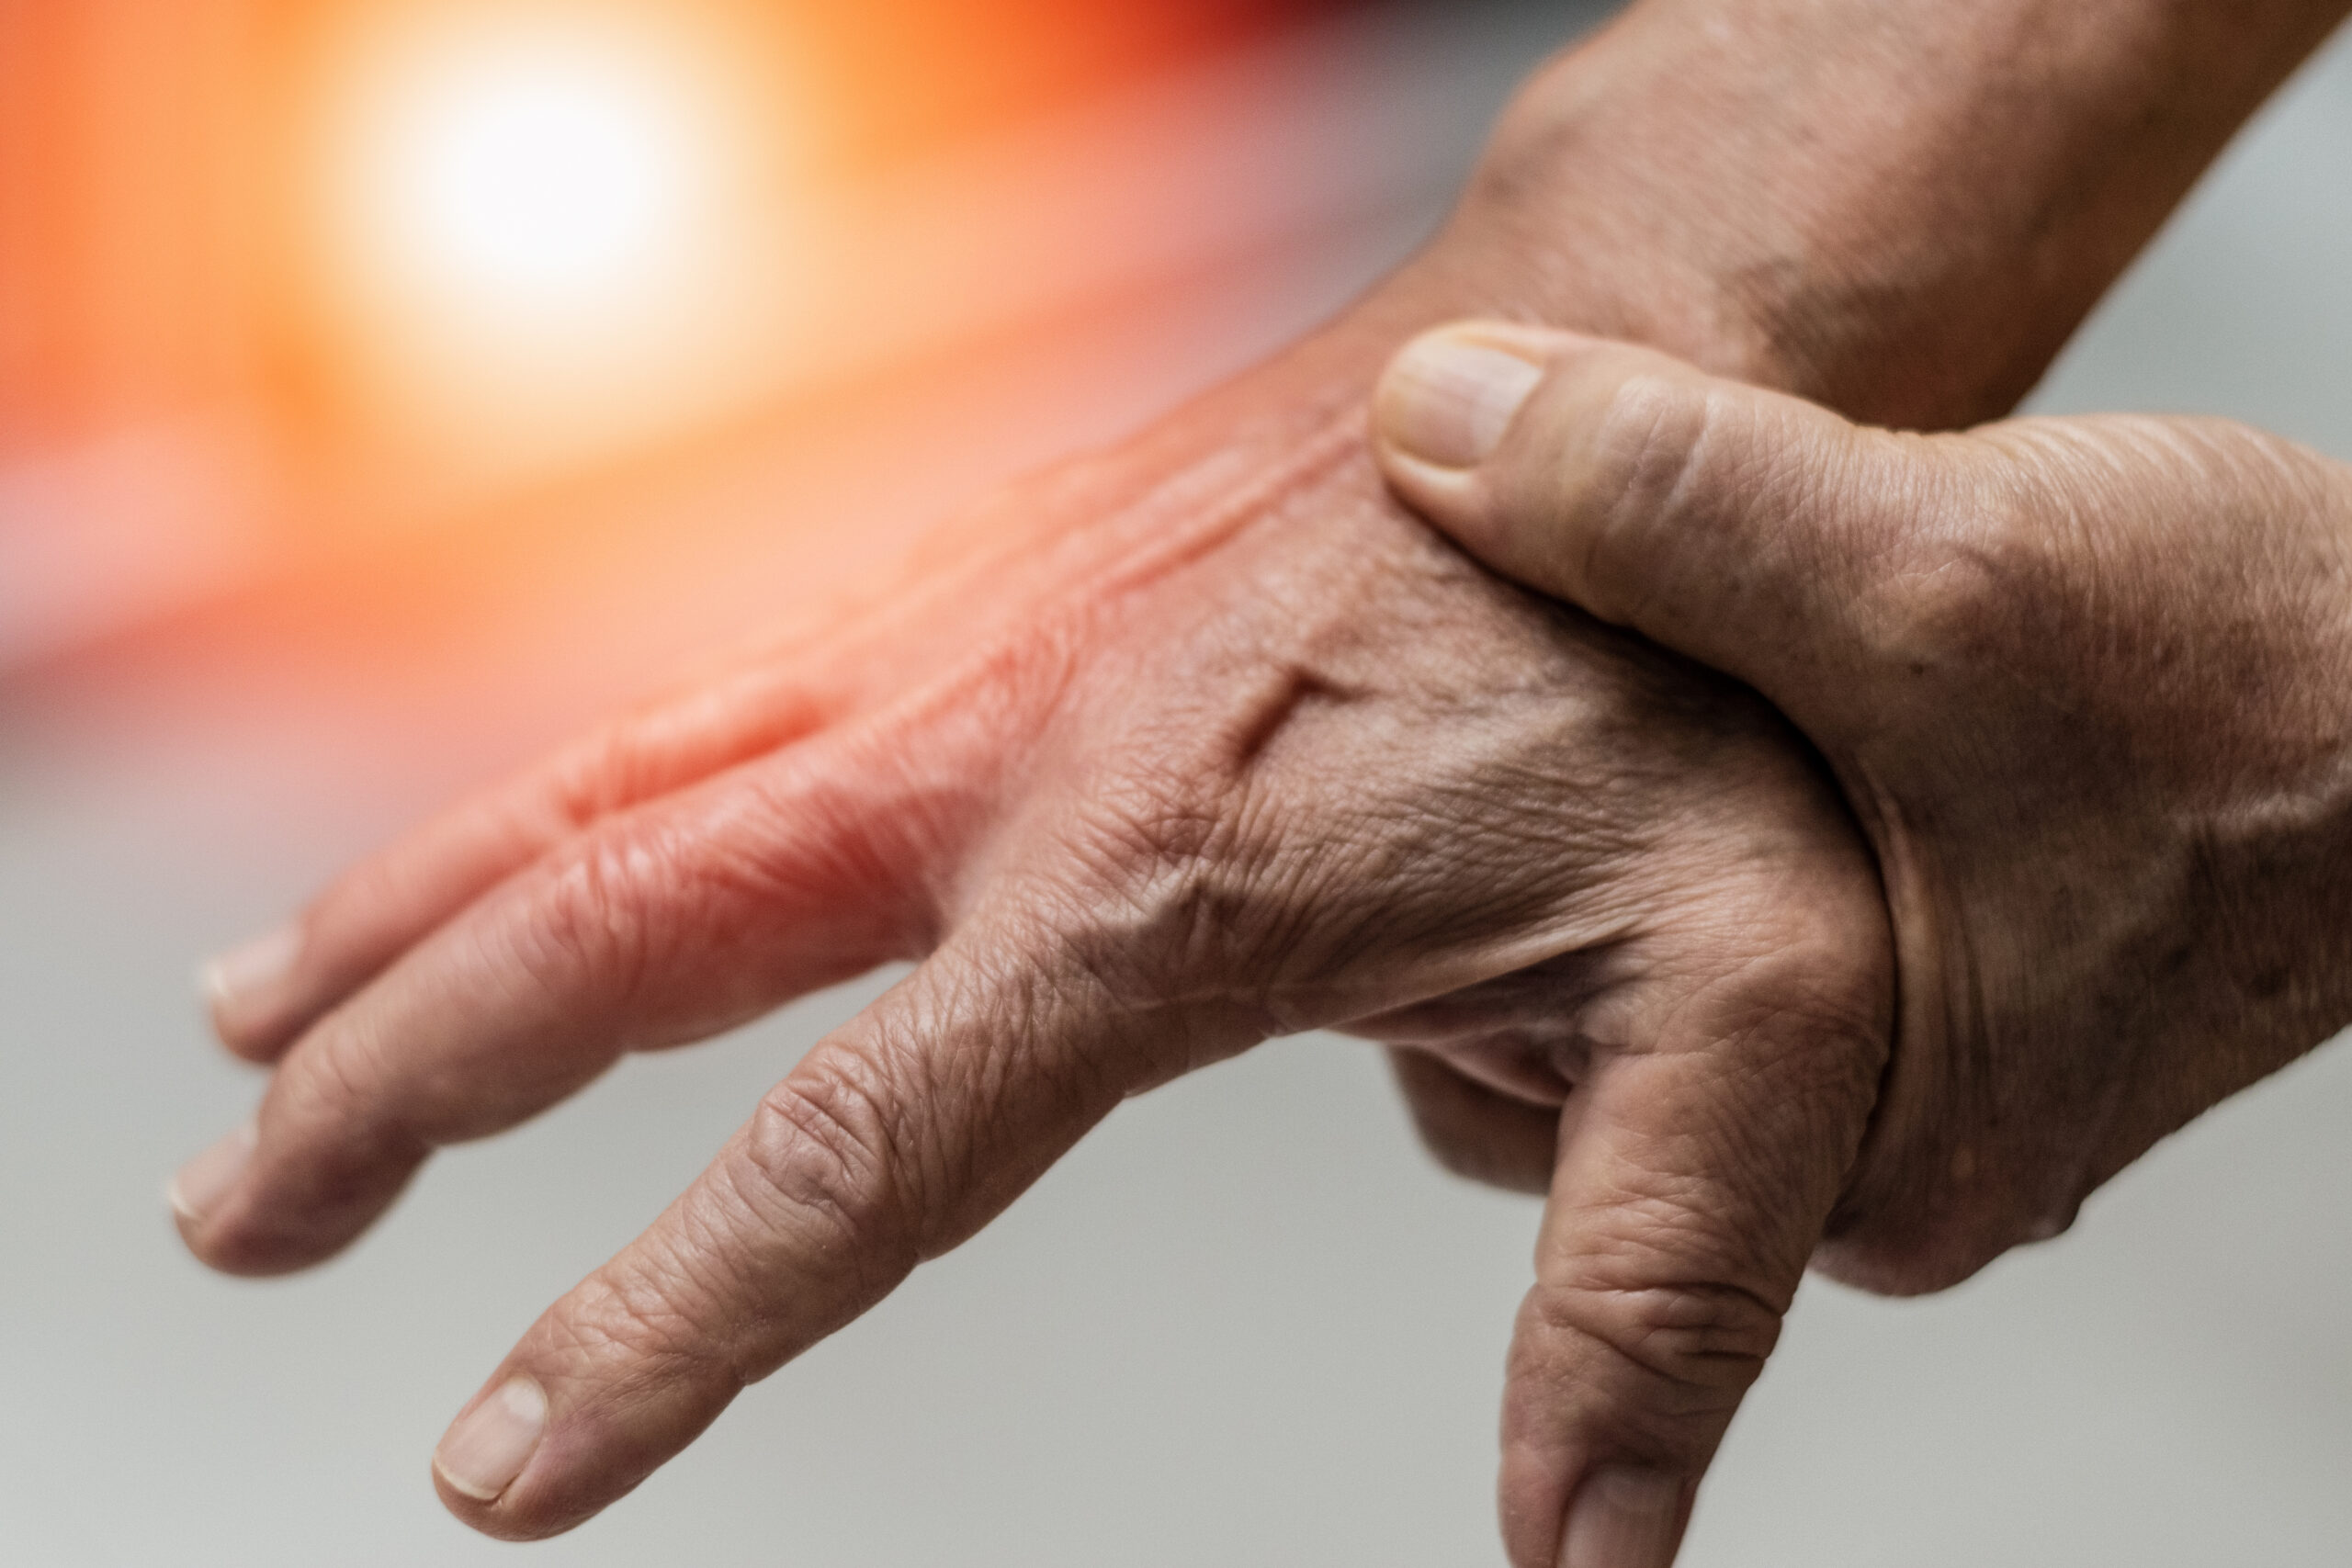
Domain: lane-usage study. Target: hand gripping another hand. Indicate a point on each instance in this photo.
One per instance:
(1208, 740)
(2085, 682)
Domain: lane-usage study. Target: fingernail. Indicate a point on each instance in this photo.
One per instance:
(1623, 1518)
(1447, 401)
(236, 977)
(202, 1180)
(483, 1454)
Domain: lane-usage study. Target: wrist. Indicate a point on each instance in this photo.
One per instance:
(1902, 210)
(1898, 208)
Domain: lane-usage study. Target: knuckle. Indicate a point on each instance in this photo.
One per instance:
(1919, 1259)
(1645, 434)
(1168, 888)
(336, 1080)
(591, 920)
(599, 775)
(1702, 1340)
(1814, 1013)
(638, 1329)
(1924, 1242)
(820, 1158)
(1253, 921)
(1949, 597)
(1199, 878)
(1938, 607)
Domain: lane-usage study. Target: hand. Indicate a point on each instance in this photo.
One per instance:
(2087, 684)
(1204, 740)
(1270, 764)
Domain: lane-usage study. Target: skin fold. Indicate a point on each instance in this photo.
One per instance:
(1206, 739)
(2086, 683)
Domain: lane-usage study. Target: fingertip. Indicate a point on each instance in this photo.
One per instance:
(1624, 1517)
(1445, 404)
(1449, 396)
(197, 1188)
(499, 1517)
(1716, 518)
(245, 992)
(493, 1440)
(240, 1212)
(1521, 442)
(205, 1188)
(611, 1383)
(515, 1467)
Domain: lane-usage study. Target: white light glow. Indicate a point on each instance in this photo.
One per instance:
(552, 229)
(543, 182)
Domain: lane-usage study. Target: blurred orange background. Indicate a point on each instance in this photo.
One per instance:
(389, 387)
(230, 349)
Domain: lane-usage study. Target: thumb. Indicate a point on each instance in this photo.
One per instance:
(1744, 528)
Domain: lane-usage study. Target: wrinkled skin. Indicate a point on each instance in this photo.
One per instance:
(1207, 740)
(2088, 683)
(1147, 826)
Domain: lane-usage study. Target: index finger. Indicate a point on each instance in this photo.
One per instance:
(890, 1144)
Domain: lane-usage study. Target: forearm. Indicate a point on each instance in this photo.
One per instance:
(1902, 209)
(1899, 207)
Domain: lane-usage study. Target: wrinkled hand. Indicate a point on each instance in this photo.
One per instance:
(1262, 756)
(2087, 684)
(1206, 740)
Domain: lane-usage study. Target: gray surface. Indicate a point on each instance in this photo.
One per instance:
(1244, 1323)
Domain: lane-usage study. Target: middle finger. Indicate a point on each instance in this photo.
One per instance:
(662, 925)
